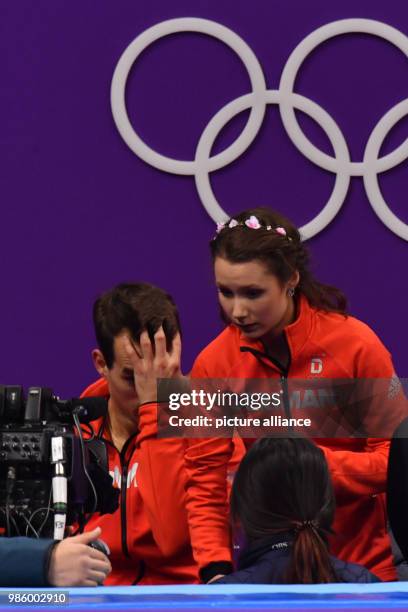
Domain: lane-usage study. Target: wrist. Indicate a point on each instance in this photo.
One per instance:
(148, 419)
(215, 568)
(146, 397)
(49, 564)
(146, 403)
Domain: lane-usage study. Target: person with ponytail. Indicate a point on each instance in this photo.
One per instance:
(282, 499)
(282, 323)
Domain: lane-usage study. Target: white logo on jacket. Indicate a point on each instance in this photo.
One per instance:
(116, 475)
(316, 365)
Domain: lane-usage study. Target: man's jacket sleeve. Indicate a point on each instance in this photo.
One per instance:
(24, 562)
(161, 480)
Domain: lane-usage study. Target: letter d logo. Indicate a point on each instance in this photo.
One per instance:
(316, 366)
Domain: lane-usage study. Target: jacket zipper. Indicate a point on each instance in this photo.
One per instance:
(284, 373)
(123, 510)
(123, 487)
(123, 495)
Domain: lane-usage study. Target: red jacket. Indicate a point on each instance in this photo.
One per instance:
(148, 535)
(341, 348)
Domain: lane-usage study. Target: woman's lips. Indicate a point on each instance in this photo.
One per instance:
(248, 328)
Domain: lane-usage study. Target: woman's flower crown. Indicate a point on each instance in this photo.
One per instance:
(253, 223)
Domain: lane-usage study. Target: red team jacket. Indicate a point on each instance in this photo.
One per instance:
(148, 535)
(343, 348)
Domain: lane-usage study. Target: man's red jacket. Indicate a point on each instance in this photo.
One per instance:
(148, 535)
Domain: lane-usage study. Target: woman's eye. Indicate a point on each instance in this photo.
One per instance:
(225, 292)
(252, 294)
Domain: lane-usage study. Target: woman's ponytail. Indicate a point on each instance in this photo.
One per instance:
(310, 559)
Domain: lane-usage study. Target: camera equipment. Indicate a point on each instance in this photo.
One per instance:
(50, 475)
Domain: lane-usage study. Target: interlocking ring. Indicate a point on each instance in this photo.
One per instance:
(274, 97)
(287, 100)
(172, 26)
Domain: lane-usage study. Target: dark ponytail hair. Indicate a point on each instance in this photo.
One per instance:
(283, 485)
(283, 255)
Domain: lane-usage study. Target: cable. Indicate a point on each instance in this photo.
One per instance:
(29, 525)
(90, 431)
(15, 525)
(10, 482)
(48, 509)
(31, 519)
(48, 513)
(7, 513)
(12, 519)
(81, 440)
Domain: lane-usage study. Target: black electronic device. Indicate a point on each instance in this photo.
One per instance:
(50, 475)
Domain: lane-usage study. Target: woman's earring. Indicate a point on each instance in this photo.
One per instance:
(291, 292)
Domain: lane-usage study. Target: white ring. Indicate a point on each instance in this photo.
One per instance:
(219, 120)
(132, 52)
(340, 164)
(371, 184)
(289, 73)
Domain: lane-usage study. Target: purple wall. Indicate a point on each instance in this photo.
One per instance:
(80, 212)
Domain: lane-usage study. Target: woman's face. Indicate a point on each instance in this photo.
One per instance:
(252, 298)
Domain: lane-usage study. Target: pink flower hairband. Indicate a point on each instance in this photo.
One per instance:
(253, 223)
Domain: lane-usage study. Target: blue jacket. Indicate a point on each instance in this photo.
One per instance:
(264, 562)
(24, 562)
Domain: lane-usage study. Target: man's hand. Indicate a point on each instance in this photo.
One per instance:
(149, 365)
(74, 563)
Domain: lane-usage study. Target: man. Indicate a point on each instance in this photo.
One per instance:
(28, 562)
(148, 535)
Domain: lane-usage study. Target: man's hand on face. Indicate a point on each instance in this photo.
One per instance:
(150, 363)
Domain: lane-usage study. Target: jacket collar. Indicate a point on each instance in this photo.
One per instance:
(101, 425)
(297, 333)
(278, 542)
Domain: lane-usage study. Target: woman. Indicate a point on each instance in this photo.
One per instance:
(283, 324)
(286, 533)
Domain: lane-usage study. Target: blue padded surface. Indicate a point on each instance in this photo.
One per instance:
(389, 596)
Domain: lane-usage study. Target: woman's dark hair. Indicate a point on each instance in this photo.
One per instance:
(283, 485)
(283, 255)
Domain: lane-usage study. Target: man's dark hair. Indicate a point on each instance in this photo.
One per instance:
(135, 307)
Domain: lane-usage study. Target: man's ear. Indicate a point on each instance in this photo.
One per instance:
(99, 363)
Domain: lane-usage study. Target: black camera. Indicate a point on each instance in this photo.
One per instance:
(51, 475)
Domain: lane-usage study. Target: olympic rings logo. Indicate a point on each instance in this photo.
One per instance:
(287, 100)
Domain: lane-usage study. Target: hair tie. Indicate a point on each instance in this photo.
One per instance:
(305, 525)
